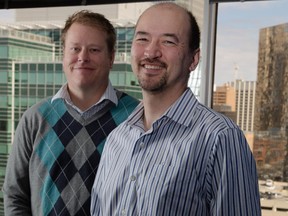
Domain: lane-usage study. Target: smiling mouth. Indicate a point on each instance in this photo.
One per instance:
(82, 68)
(152, 67)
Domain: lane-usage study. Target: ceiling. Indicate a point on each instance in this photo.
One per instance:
(14, 4)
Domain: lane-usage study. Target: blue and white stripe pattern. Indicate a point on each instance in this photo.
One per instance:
(193, 161)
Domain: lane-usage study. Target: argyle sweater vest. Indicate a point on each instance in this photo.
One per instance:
(66, 158)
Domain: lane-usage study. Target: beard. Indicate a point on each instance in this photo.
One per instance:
(151, 84)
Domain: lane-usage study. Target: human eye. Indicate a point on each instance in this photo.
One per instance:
(141, 38)
(170, 40)
(94, 50)
(74, 49)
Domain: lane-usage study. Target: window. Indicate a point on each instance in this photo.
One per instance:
(251, 51)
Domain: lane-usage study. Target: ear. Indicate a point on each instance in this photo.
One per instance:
(195, 60)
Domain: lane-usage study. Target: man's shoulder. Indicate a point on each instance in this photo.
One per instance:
(45, 105)
(33, 108)
(211, 117)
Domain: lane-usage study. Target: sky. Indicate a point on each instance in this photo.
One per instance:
(238, 35)
(238, 29)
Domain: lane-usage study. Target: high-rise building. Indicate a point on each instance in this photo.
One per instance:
(245, 103)
(271, 106)
(225, 95)
(224, 100)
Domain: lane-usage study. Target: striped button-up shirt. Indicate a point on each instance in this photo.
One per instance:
(193, 161)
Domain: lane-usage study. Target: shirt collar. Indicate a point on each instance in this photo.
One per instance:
(180, 111)
(109, 94)
(183, 108)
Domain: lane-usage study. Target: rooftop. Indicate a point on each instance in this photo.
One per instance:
(274, 197)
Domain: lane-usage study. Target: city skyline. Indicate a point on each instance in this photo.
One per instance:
(238, 30)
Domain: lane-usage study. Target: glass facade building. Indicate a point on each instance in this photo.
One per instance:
(271, 106)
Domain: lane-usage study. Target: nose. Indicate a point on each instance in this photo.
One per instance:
(153, 50)
(83, 56)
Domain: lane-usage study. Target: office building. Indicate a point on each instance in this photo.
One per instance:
(245, 108)
(245, 103)
(225, 95)
(224, 101)
(271, 106)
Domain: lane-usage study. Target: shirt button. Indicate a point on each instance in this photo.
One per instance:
(133, 178)
(141, 145)
(123, 212)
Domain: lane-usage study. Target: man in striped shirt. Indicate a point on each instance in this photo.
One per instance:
(173, 155)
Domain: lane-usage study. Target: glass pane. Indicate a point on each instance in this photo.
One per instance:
(251, 87)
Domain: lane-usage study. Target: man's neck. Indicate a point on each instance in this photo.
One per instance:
(84, 100)
(155, 105)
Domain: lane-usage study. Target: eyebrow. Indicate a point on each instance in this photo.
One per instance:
(79, 44)
(141, 33)
(172, 36)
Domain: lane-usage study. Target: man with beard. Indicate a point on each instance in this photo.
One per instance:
(173, 155)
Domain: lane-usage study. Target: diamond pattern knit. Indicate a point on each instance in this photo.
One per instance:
(69, 152)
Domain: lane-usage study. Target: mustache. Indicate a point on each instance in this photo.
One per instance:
(152, 61)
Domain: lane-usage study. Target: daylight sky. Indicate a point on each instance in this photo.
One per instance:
(237, 35)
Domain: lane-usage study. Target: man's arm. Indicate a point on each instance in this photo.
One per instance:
(234, 181)
(16, 188)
